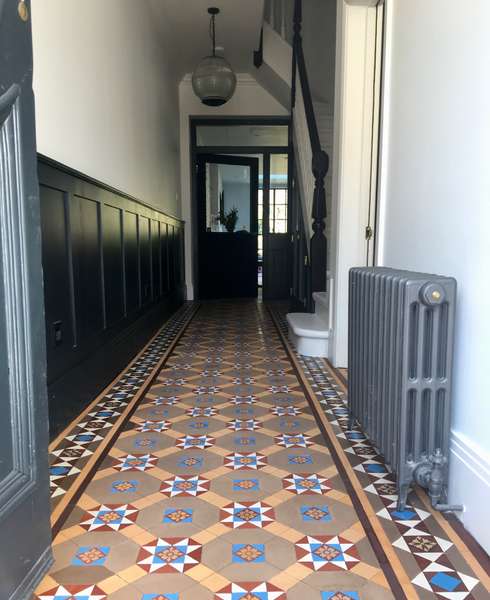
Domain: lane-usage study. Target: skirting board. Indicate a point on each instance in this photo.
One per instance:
(469, 484)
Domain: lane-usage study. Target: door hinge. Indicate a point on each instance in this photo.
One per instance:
(369, 232)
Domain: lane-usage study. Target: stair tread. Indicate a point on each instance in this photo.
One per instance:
(308, 325)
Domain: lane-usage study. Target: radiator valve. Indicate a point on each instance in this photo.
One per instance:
(430, 475)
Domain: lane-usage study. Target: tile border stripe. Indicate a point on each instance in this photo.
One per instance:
(68, 502)
(401, 586)
(61, 436)
(474, 554)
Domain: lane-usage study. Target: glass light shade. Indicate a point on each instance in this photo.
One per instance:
(214, 81)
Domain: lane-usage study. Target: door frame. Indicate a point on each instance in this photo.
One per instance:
(196, 151)
(355, 166)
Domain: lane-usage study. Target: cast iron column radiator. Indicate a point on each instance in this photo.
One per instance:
(401, 330)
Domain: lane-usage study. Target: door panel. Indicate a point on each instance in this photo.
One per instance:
(227, 259)
(24, 486)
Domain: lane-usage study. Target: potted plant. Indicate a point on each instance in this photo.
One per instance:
(229, 219)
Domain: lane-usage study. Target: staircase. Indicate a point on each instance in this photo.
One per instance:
(311, 332)
(281, 69)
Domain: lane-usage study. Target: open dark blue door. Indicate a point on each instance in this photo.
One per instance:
(24, 486)
(227, 245)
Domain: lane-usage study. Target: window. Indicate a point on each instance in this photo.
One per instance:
(278, 210)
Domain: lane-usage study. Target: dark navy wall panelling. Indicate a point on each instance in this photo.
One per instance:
(113, 271)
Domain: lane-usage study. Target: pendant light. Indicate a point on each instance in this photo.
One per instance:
(214, 81)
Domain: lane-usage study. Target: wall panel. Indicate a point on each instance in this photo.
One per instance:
(164, 257)
(109, 264)
(156, 279)
(145, 259)
(87, 268)
(131, 256)
(56, 268)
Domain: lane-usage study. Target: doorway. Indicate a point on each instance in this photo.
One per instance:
(221, 150)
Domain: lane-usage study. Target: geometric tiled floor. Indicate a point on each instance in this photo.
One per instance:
(431, 558)
(221, 484)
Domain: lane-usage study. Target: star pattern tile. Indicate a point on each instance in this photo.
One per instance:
(424, 548)
(205, 465)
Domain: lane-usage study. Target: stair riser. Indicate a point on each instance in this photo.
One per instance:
(309, 346)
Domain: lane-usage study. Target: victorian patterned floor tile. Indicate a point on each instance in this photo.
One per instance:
(218, 482)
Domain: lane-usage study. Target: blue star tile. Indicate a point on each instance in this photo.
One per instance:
(245, 441)
(404, 515)
(354, 435)
(84, 437)
(199, 424)
(178, 515)
(59, 470)
(315, 513)
(123, 487)
(145, 443)
(160, 597)
(103, 414)
(245, 485)
(338, 594)
(191, 461)
(445, 581)
(244, 411)
(248, 553)
(159, 412)
(300, 459)
(375, 468)
(90, 556)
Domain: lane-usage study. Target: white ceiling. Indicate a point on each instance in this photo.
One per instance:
(185, 27)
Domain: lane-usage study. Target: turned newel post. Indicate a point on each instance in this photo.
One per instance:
(318, 244)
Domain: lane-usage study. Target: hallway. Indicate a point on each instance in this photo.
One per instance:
(218, 466)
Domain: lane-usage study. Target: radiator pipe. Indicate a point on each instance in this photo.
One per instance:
(430, 475)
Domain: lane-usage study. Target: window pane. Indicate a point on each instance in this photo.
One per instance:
(242, 135)
(227, 190)
(280, 211)
(281, 227)
(281, 196)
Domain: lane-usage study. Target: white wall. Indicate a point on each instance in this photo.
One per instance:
(250, 99)
(106, 100)
(435, 209)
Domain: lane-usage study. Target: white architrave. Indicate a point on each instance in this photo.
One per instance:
(352, 157)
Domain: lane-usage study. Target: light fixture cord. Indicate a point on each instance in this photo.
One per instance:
(212, 32)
